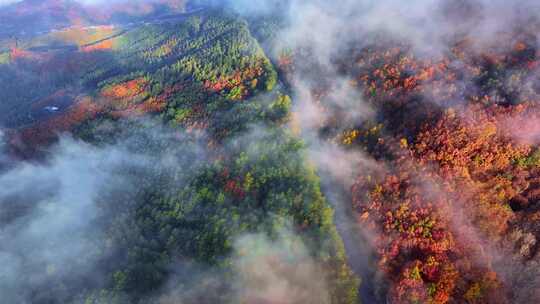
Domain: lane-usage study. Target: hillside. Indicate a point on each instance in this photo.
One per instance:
(447, 152)
(207, 78)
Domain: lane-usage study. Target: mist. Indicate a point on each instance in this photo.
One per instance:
(60, 197)
(321, 35)
(56, 222)
(50, 230)
(59, 237)
(264, 269)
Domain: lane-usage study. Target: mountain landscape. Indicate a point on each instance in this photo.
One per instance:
(269, 151)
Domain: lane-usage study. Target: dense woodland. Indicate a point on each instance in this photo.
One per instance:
(452, 205)
(448, 205)
(216, 111)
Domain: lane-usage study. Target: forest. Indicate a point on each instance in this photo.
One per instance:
(185, 98)
(449, 201)
(271, 152)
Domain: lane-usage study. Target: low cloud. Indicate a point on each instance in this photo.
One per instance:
(47, 229)
(55, 214)
(278, 270)
(262, 270)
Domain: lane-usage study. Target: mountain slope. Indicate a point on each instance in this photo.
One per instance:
(193, 106)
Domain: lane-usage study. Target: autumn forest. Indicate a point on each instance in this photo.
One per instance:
(269, 151)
